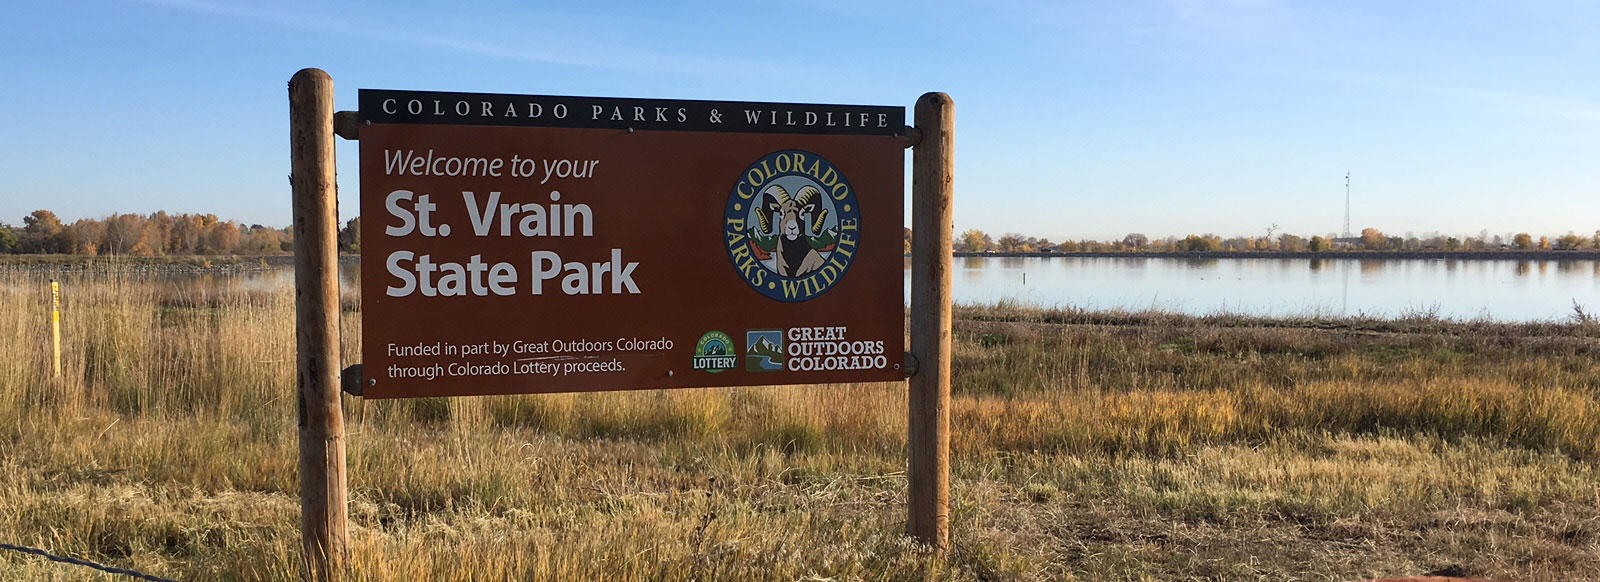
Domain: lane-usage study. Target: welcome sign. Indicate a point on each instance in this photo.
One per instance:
(529, 244)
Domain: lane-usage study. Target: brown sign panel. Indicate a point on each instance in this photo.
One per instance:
(530, 244)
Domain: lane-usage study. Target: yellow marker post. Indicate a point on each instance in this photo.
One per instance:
(55, 323)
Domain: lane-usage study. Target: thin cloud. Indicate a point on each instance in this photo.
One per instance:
(614, 58)
(1506, 101)
(1217, 21)
(1531, 104)
(1222, 13)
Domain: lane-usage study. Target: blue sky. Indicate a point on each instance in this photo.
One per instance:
(1075, 119)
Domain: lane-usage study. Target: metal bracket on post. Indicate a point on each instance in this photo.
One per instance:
(347, 124)
(912, 364)
(910, 136)
(351, 380)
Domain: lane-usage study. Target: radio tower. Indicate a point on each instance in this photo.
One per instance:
(1347, 204)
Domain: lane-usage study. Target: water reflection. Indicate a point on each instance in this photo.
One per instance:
(1506, 290)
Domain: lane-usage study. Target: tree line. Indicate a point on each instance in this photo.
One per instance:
(160, 233)
(1370, 239)
(157, 234)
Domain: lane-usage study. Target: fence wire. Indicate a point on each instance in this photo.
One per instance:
(84, 563)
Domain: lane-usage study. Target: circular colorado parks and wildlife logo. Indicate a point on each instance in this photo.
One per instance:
(792, 225)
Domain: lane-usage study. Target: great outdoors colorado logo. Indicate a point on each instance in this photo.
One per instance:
(791, 225)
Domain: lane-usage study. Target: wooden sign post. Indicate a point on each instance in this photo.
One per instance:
(323, 499)
(932, 226)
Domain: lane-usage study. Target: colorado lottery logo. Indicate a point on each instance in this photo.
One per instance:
(791, 225)
(714, 353)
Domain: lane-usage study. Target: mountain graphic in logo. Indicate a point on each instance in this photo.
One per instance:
(763, 350)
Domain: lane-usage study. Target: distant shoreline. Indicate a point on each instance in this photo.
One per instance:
(225, 263)
(1584, 255)
(129, 263)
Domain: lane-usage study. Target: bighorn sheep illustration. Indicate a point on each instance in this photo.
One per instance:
(794, 255)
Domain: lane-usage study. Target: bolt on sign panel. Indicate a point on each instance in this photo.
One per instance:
(529, 244)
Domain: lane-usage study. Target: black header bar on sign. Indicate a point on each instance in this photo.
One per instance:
(445, 108)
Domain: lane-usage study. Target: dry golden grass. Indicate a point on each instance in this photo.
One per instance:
(1089, 446)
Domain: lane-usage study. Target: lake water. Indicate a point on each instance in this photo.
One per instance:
(1462, 289)
(1502, 290)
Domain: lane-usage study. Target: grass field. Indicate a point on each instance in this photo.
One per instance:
(1088, 446)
